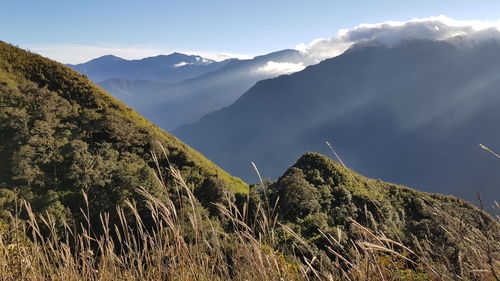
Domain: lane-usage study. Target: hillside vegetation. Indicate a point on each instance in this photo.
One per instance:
(329, 224)
(319, 198)
(60, 135)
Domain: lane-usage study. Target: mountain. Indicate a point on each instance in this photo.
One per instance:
(163, 68)
(61, 135)
(171, 106)
(412, 114)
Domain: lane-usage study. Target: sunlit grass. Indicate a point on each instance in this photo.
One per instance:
(181, 246)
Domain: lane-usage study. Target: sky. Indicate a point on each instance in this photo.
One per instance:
(76, 31)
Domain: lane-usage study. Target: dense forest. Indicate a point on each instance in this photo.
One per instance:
(90, 190)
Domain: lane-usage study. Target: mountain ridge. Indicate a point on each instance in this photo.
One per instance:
(375, 103)
(187, 101)
(171, 68)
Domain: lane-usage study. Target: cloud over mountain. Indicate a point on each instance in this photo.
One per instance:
(181, 64)
(276, 68)
(393, 32)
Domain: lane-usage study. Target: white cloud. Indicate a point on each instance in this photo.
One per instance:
(393, 32)
(182, 63)
(277, 68)
(73, 53)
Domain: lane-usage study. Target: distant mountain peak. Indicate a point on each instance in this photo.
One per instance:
(107, 58)
(110, 56)
(170, 68)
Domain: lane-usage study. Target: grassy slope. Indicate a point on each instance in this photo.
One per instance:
(17, 66)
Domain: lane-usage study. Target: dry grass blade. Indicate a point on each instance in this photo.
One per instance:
(489, 150)
(340, 160)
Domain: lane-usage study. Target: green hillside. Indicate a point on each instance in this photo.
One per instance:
(319, 198)
(60, 134)
(317, 186)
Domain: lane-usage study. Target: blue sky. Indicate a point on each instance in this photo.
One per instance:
(71, 31)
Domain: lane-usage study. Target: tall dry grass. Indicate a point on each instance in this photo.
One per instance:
(184, 245)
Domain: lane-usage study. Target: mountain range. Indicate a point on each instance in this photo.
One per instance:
(413, 113)
(178, 99)
(163, 68)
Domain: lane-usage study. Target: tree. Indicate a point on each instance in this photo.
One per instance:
(297, 197)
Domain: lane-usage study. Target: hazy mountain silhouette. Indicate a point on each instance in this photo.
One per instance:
(171, 106)
(135, 93)
(411, 114)
(163, 68)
